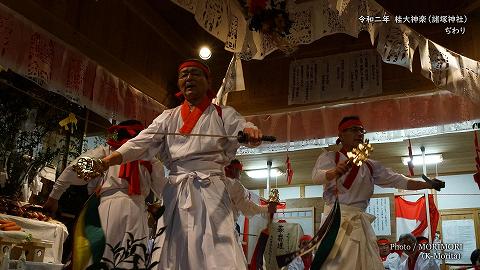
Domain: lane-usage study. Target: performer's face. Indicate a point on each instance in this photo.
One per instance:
(384, 249)
(193, 83)
(352, 137)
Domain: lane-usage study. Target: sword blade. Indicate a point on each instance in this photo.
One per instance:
(192, 134)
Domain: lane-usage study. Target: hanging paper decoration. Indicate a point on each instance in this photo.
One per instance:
(289, 170)
(449, 70)
(397, 44)
(255, 28)
(212, 16)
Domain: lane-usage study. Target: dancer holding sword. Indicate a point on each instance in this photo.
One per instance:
(198, 215)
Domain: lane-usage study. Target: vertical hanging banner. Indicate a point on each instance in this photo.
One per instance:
(237, 29)
(380, 208)
(233, 80)
(284, 238)
(349, 75)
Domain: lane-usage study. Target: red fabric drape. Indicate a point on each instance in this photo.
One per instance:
(476, 176)
(289, 170)
(408, 112)
(417, 211)
(245, 237)
(131, 172)
(35, 54)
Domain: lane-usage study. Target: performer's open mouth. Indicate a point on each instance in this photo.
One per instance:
(189, 85)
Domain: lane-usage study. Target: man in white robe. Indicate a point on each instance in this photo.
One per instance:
(198, 217)
(240, 197)
(417, 260)
(391, 260)
(122, 206)
(355, 246)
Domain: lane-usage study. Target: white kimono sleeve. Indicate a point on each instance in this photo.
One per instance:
(385, 177)
(296, 264)
(239, 196)
(157, 178)
(233, 122)
(69, 176)
(325, 162)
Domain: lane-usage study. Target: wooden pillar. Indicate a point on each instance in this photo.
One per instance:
(302, 191)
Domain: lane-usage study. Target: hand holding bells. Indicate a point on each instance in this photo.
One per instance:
(273, 201)
(88, 168)
(361, 153)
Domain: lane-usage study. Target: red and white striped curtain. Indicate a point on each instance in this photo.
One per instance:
(412, 216)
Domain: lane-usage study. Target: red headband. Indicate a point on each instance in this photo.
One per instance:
(234, 166)
(200, 65)
(132, 130)
(306, 237)
(197, 64)
(349, 123)
(383, 242)
(116, 142)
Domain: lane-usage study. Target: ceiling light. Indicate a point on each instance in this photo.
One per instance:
(429, 159)
(263, 173)
(205, 53)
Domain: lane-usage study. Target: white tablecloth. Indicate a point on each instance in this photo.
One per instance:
(55, 232)
(37, 266)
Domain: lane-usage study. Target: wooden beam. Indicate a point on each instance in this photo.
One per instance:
(68, 35)
(144, 11)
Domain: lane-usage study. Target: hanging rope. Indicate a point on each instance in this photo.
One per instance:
(410, 163)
